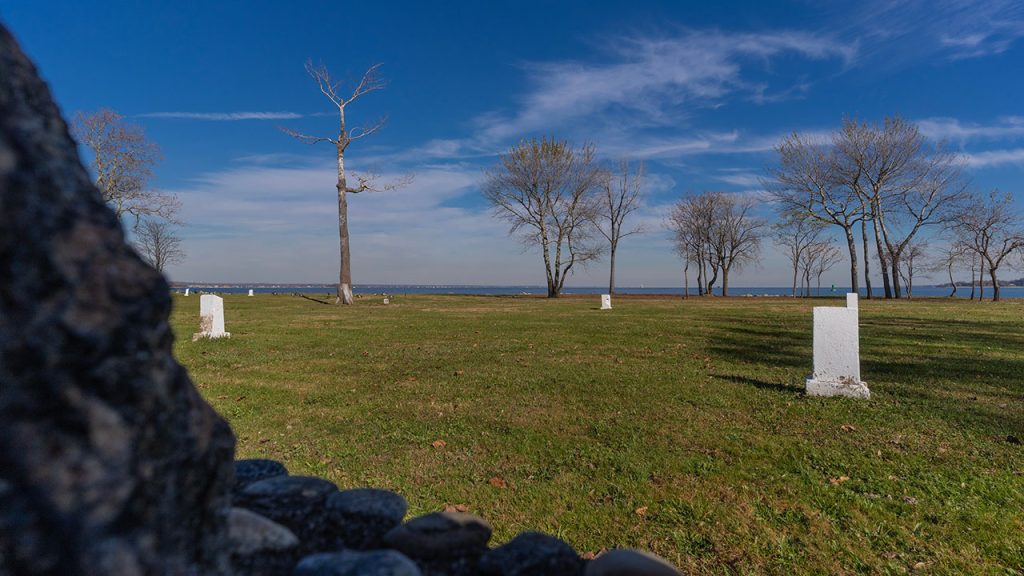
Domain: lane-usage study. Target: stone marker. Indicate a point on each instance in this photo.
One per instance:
(211, 318)
(186, 291)
(387, 300)
(851, 301)
(250, 291)
(837, 353)
(606, 301)
(110, 461)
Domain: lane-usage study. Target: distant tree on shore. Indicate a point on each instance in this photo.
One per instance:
(620, 198)
(915, 257)
(370, 82)
(157, 243)
(988, 226)
(721, 230)
(548, 192)
(795, 235)
(123, 160)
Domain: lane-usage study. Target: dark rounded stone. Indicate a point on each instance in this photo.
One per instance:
(630, 563)
(260, 546)
(254, 470)
(296, 502)
(532, 553)
(353, 563)
(361, 517)
(440, 535)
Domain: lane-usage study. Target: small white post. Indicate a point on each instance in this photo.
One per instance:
(250, 291)
(186, 291)
(851, 301)
(606, 301)
(837, 352)
(387, 300)
(211, 318)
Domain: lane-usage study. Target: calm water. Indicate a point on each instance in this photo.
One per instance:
(1006, 291)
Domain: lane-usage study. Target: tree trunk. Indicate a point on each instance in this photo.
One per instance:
(995, 283)
(894, 261)
(886, 285)
(686, 280)
(794, 280)
(611, 271)
(951, 281)
(973, 270)
(345, 268)
(981, 281)
(852, 245)
(725, 281)
(867, 260)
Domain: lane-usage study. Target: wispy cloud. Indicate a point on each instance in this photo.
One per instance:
(225, 116)
(1008, 127)
(992, 158)
(650, 79)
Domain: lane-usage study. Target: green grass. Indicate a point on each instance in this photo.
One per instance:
(677, 427)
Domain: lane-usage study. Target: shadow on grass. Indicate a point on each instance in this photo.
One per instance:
(760, 384)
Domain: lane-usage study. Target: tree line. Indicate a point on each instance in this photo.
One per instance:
(880, 186)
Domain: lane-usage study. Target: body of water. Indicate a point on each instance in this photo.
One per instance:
(397, 289)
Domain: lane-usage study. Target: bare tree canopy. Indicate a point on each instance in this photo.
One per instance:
(548, 192)
(887, 175)
(341, 99)
(123, 160)
(988, 226)
(157, 243)
(620, 199)
(717, 231)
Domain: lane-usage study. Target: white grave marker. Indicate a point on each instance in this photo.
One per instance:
(186, 291)
(606, 301)
(387, 300)
(837, 352)
(211, 318)
(250, 291)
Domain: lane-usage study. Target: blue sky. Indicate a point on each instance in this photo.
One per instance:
(701, 91)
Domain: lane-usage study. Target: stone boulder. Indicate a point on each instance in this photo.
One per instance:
(110, 461)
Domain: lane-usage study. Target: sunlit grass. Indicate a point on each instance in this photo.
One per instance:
(673, 426)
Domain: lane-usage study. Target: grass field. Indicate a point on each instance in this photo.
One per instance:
(676, 427)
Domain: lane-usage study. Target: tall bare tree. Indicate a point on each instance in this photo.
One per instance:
(951, 257)
(123, 159)
(548, 192)
(904, 182)
(805, 183)
(988, 225)
(370, 82)
(690, 221)
(621, 198)
(156, 242)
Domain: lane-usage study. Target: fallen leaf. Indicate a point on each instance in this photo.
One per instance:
(641, 511)
(910, 500)
(460, 372)
(240, 398)
(222, 397)
(848, 428)
(456, 508)
(498, 482)
(438, 443)
(838, 481)
(365, 353)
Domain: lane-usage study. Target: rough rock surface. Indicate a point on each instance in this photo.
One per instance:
(362, 516)
(448, 543)
(354, 563)
(110, 461)
(532, 554)
(296, 502)
(259, 546)
(629, 563)
(254, 470)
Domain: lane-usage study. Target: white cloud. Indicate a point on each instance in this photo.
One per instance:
(651, 79)
(993, 158)
(1008, 127)
(224, 116)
